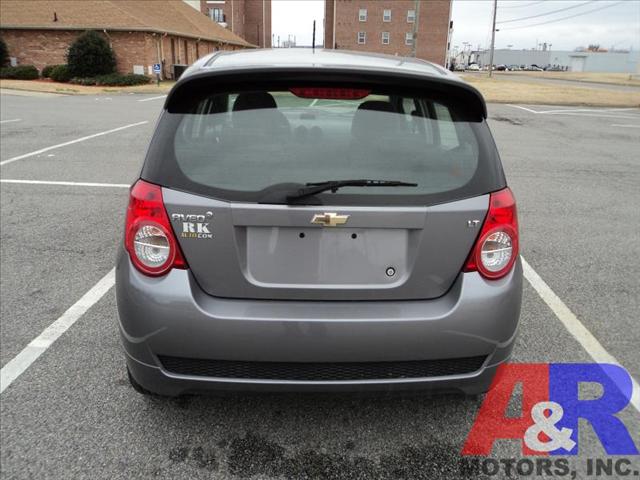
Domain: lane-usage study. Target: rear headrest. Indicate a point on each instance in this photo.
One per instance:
(369, 123)
(253, 101)
(377, 105)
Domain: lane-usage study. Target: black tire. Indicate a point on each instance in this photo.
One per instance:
(136, 386)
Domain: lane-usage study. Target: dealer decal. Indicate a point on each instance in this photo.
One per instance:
(552, 407)
(194, 226)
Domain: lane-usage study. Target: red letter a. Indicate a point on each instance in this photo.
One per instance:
(491, 423)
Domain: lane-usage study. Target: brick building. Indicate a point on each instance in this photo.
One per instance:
(389, 26)
(39, 32)
(249, 19)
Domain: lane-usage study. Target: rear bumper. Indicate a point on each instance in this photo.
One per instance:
(172, 317)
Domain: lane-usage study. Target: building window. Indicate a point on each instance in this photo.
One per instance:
(408, 38)
(385, 38)
(362, 38)
(411, 16)
(216, 15)
(362, 15)
(386, 15)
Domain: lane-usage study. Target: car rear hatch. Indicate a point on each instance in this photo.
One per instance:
(234, 157)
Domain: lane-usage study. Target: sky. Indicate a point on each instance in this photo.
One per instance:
(295, 18)
(610, 22)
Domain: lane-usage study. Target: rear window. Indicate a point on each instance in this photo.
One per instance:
(238, 145)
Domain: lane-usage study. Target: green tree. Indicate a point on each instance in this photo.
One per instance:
(90, 55)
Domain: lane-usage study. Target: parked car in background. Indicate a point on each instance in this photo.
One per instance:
(474, 67)
(535, 68)
(514, 68)
(500, 68)
(319, 221)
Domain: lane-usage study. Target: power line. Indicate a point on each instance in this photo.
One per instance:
(565, 18)
(522, 5)
(546, 13)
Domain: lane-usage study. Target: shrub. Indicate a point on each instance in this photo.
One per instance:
(84, 80)
(4, 53)
(20, 72)
(90, 55)
(46, 71)
(60, 73)
(112, 80)
(118, 80)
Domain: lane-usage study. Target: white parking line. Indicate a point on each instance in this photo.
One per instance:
(599, 115)
(70, 184)
(11, 121)
(624, 126)
(521, 108)
(582, 112)
(152, 98)
(574, 326)
(18, 364)
(60, 145)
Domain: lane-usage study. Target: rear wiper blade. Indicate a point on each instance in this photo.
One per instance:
(334, 185)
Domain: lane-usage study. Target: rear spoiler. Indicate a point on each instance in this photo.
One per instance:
(190, 89)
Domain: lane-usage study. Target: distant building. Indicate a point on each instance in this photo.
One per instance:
(573, 60)
(249, 19)
(39, 32)
(396, 27)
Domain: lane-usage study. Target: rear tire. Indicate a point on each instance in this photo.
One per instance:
(136, 386)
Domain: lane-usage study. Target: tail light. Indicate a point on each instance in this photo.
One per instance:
(496, 248)
(149, 239)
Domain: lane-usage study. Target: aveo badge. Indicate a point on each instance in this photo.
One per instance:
(194, 226)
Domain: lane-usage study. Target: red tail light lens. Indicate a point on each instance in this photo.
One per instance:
(496, 248)
(330, 93)
(151, 244)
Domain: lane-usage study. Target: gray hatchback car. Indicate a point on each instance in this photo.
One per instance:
(319, 221)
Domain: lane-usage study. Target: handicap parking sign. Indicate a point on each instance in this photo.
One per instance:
(156, 68)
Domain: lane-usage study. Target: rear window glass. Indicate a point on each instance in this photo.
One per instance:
(235, 145)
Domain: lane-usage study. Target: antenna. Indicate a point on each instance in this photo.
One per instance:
(313, 41)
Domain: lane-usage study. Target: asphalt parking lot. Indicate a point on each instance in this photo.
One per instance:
(72, 413)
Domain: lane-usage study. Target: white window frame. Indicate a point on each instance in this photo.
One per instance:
(386, 36)
(362, 15)
(362, 38)
(408, 38)
(386, 18)
(411, 16)
(220, 16)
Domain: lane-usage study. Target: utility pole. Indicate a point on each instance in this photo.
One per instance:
(493, 36)
(313, 41)
(414, 33)
(333, 29)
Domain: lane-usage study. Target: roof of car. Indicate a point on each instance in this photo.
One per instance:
(257, 65)
(320, 58)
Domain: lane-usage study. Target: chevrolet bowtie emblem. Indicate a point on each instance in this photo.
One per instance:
(329, 219)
